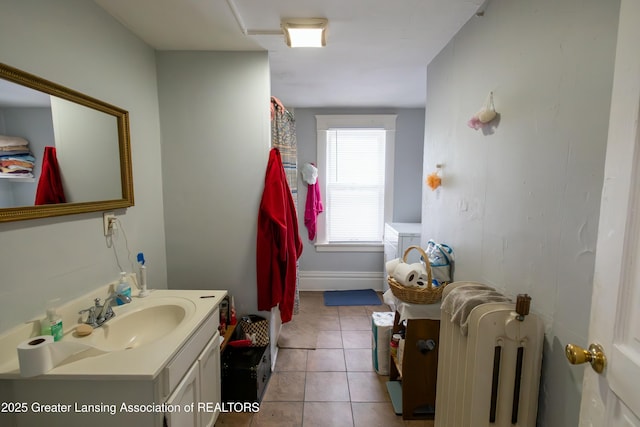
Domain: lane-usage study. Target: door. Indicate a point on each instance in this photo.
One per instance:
(210, 394)
(613, 397)
(187, 393)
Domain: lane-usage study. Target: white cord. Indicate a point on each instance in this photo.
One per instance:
(111, 240)
(111, 244)
(126, 242)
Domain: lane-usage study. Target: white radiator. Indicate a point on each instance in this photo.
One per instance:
(491, 376)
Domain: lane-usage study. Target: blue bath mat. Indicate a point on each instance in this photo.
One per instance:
(359, 297)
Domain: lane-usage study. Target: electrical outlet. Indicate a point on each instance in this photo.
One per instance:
(107, 219)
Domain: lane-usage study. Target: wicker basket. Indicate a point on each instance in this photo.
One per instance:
(426, 295)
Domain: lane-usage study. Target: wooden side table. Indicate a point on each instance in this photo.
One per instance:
(412, 383)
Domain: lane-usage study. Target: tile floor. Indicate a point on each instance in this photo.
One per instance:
(335, 384)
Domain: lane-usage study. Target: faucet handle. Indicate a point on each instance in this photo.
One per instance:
(91, 317)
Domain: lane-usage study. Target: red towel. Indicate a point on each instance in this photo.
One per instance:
(50, 189)
(279, 245)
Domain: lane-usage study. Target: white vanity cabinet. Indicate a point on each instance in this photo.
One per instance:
(181, 388)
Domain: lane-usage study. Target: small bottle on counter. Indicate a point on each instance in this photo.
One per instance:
(123, 288)
(52, 324)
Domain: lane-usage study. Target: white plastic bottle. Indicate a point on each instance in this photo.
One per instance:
(52, 324)
(144, 292)
(123, 288)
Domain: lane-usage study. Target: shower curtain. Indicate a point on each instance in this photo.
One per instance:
(283, 137)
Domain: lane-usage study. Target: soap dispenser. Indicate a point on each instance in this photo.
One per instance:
(52, 324)
(123, 288)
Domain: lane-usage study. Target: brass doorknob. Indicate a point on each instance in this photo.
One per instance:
(595, 355)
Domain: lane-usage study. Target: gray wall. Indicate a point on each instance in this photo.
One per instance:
(76, 44)
(407, 183)
(214, 109)
(520, 206)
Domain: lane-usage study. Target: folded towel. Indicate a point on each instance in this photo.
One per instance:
(18, 168)
(27, 157)
(10, 141)
(14, 149)
(9, 163)
(460, 301)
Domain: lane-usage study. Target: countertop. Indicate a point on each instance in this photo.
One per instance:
(144, 362)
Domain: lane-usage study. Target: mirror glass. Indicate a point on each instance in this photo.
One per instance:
(61, 152)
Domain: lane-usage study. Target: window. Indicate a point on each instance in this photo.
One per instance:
(355, 168)
(355, 185)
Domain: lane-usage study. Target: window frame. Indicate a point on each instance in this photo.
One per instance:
(354, 121)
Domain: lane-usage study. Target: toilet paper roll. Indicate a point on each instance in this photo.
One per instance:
(419, 267)
(391, 266)
(407, 274)
(423, 280)
(422, 276)
(41, 354)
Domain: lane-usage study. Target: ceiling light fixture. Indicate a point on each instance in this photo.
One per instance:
(311, 32)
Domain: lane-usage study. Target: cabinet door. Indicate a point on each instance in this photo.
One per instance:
(210, 389)
(186, 394)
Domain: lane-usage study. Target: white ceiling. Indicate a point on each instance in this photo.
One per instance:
(376, 55)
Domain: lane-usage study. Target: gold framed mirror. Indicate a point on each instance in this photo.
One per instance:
(91, 138)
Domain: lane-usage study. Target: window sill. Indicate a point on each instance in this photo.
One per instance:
(349, 247)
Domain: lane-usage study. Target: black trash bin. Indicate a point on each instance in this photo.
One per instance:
(245, 373)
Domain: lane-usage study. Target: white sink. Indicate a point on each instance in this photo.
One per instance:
(141, 323)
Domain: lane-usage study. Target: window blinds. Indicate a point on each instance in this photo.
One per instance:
(355, 185)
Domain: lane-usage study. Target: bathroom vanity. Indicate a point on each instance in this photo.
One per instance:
(156, 363)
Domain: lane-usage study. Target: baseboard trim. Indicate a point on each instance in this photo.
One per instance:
(340, 280)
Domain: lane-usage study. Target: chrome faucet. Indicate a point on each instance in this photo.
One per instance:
(99, 314)
(106, 312)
